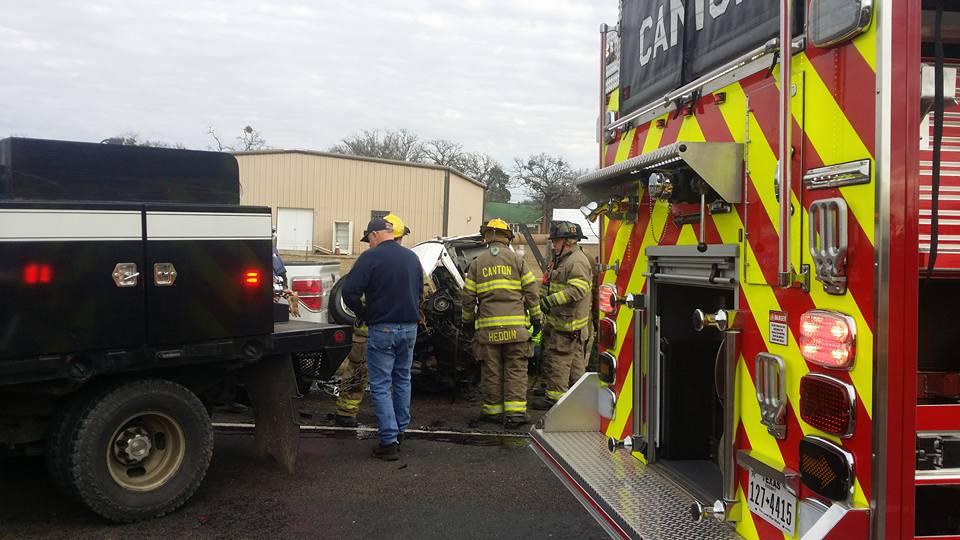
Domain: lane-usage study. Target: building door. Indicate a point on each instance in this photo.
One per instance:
(343, 236)
(295, 229)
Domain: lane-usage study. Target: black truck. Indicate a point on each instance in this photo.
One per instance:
(136, 295)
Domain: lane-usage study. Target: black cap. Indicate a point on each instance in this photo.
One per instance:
(376, 224)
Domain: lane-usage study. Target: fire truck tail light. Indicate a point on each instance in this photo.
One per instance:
(309, 291)
(37, 274)
(251, 278)
(828, 339)
(828, 404)
(826, 468)
(607, 368)
(607, 333)
(609, 303)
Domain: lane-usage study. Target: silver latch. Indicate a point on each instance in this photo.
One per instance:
(828, 243)
(770, 381)
(164, 274)
(125, 274)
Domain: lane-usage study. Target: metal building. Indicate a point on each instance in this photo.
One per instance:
(321, 201)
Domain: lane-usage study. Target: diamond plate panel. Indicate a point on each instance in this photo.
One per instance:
(639, 497)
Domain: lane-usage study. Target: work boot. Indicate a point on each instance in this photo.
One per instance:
(390, 452)
(345, 421)
(540, 391)
(487, 418)
(542, 404)
(400, 438)
(514, 421)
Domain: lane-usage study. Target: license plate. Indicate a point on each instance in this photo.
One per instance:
(772, 501)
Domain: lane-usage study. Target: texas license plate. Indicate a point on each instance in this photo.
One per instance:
(771, 500)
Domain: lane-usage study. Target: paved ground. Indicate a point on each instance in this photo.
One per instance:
(443, 487)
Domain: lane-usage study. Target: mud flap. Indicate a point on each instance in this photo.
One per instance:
(272, 387)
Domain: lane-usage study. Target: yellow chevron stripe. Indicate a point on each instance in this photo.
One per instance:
(619, 248)
(835, 140)
(746, 526)
(626, 142)
(761, 442)
(654, 134)
(866, 44)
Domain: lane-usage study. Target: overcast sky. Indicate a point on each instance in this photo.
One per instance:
(506, 77)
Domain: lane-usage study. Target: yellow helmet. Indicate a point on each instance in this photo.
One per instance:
(399, 229)
(497, 225)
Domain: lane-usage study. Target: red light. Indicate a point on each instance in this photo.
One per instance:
(339, 337)
(827, 404)
(309, 291)
(36, 274)
(828, 339)
(607, 333)
(608, 299)
(251, 278)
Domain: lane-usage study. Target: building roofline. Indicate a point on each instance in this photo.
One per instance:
(364, 158)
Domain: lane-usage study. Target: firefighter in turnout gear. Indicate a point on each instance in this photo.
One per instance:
(499, 299)
(565, 301)
(354, 382)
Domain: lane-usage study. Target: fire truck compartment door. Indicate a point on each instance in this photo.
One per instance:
(222, 285)
(56, 278)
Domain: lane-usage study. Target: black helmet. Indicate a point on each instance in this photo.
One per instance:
(566, 229)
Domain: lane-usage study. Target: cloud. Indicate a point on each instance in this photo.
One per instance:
(503, 77)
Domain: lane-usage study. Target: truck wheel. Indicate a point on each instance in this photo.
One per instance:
(139, 451)
(58, 443)
(339, 311)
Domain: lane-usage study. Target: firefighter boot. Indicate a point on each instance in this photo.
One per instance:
(352, 388)
(515, 420)
(542, 404)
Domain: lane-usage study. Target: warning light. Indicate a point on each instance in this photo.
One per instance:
(37, 274)
(828, 339)
(828, 404)
(827, 469)
(339, 337)
(607, 333)
(609, 303)
(251, 278)
(309, 291)
(607, 368)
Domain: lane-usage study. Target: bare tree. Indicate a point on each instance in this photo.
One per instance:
(131, 138)
(485, 168)
(249, 140)
(444, 152)
(399, 145)
(550, 180)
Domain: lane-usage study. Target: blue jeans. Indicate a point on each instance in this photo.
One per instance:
(389, 357)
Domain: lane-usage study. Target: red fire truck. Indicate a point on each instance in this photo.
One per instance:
(779, 253)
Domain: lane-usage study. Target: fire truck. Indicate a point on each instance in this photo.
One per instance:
(780, 255)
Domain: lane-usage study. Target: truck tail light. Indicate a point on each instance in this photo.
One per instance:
(607, 367)
(251, 278)
(607, 333)
(339, 337)
(828, 339)
(37, 274)
(609, 303)
(309, 291)
(828, 404)
(826, 468)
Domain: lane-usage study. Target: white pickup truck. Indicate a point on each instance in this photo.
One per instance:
(312, 281)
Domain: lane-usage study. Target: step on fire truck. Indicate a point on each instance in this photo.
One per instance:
(780, 251)
(136, 296)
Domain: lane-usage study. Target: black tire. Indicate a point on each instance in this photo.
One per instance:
(338, 311)
(59, 434)
(164, 414)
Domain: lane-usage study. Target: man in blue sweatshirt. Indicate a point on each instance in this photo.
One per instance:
(390, 279)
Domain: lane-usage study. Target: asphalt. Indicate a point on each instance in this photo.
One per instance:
(443, 487)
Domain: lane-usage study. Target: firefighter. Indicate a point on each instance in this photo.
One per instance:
(499, 300)
(355, 376)
(566, 305)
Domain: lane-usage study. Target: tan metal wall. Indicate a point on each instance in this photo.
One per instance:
(341, 189)
(466, 206)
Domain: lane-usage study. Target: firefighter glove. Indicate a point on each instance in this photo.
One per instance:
(537, 325)
(545, 305)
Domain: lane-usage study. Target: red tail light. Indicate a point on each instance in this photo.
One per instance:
(607, 333)
(251, 278)
(37, 274)
(309, 291)
(608, 299)
(828, 339)
(828, 404)
(339, 337)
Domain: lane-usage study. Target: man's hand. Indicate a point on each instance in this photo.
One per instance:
(545, 305)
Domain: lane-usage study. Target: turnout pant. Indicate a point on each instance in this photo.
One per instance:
(354, 381)
(564, 361)
(503, 377)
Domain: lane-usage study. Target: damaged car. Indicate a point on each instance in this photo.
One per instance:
(443, 356)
